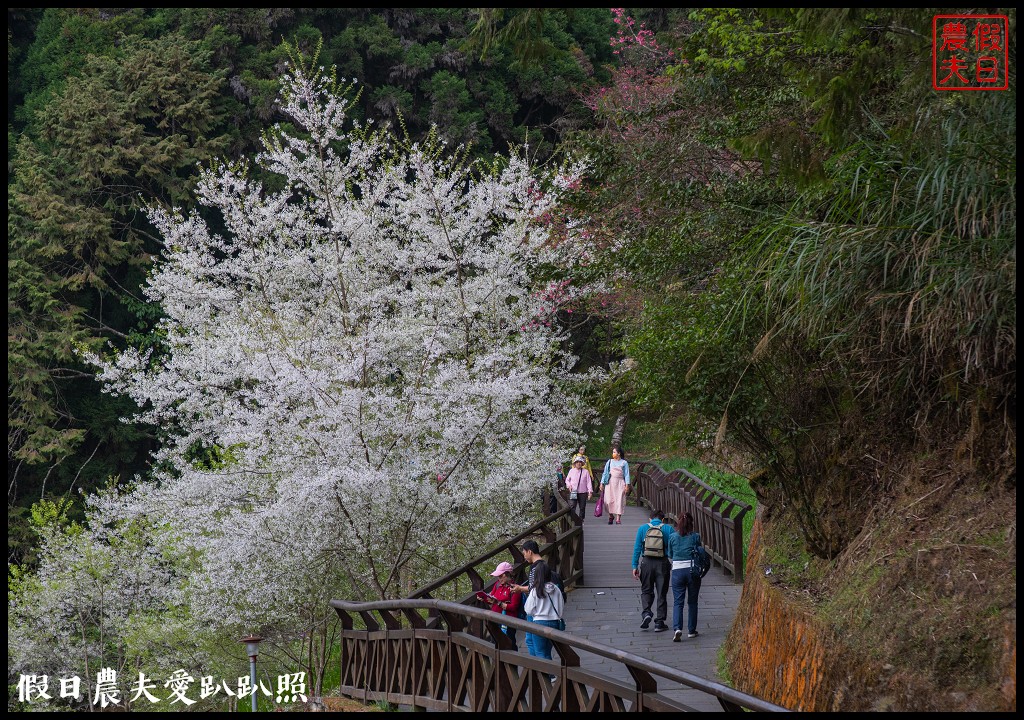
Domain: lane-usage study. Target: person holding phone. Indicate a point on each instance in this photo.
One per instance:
(504, 598)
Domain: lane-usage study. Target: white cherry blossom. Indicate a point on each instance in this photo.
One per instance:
(343, 340)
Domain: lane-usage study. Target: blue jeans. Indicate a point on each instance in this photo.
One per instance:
(683, 580)
(540, 646)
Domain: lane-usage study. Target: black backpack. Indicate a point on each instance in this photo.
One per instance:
(557, 580)
(700, 557)
(522, 610)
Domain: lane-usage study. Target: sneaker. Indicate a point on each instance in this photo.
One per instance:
(610, 520)
(646, 622)
(618, 521)
(678, 636)
(692, 633)
(660, 628)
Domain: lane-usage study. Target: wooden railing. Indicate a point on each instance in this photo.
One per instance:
(559, 536)
(717, 516)
(402, 658)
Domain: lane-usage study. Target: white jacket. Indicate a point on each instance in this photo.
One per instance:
(545, 608)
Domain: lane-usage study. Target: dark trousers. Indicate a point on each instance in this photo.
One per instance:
(511, 633)
(654, 583)
(579, 506)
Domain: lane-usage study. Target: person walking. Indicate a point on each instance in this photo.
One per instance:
(615, 485)
(685, 577)
(544, 606)
(580, 484)
(651, 567)
(581, 452)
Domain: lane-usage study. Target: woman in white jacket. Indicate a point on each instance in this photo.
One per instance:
(544, 606)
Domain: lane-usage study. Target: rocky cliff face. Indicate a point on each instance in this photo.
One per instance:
(780, 651)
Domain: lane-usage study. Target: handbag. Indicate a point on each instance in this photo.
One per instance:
(599, 508)
(573, 495)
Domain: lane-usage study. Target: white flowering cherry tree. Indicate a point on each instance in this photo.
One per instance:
(361, 353)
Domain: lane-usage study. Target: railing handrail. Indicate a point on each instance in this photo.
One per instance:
(510, 546)
(716, 510)
(560, 536)
(562, 641)
(746, 507)
(599, 462)
(718, 507)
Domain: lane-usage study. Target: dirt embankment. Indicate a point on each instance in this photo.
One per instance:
(917, 613)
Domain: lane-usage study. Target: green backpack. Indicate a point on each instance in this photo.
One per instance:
(654, 542)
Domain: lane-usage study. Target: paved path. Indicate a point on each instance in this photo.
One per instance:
(607, 610)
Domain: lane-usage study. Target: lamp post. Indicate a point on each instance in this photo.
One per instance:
(252, 647)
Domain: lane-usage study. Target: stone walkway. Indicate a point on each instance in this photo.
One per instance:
(607, 610)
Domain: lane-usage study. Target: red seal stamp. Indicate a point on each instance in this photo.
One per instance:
(970, 52)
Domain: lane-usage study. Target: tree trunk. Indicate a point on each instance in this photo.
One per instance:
(620, 424)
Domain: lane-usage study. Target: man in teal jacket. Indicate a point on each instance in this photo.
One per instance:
(651, 566)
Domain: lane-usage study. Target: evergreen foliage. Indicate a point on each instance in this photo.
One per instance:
(129, 130)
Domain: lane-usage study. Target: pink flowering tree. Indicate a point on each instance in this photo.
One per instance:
(636, 44)
(654, 169)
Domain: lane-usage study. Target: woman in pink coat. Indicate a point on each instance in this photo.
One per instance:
(615, 485)
(580, 486)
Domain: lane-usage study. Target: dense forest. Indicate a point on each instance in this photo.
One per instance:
(779, 244)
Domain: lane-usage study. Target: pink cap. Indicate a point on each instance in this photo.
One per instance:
(505, 567)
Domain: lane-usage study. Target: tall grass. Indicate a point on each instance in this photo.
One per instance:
(904, 271)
